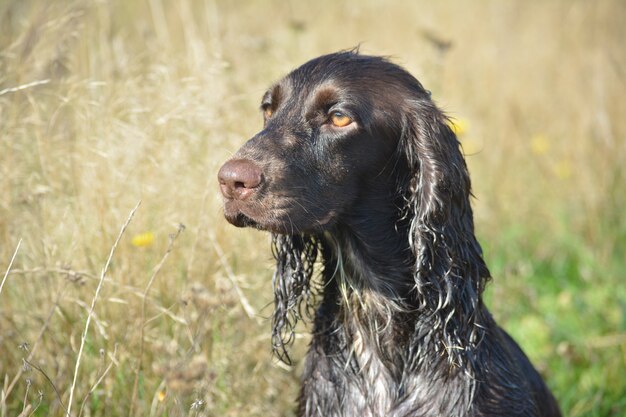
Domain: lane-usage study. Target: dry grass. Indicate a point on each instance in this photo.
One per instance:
(106, 103)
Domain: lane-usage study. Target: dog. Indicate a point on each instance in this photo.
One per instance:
(357, 173)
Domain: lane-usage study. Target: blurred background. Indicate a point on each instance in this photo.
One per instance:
(107, 103)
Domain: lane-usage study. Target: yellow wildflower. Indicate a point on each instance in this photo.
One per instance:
(539, 144)
(161, 396)
(563, 169)
(142, 240)
(458, 126)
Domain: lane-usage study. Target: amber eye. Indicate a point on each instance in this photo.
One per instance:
(339, 119)
(267, 112)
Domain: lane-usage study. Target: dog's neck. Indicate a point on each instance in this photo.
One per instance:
(369, 261)
(370, 253)
(368, 276)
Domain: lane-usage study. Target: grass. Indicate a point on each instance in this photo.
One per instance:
(104, 104)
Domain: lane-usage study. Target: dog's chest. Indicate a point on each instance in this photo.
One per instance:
(348, 373)
(374, 388)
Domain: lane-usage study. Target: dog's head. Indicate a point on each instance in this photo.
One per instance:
(330, 127)
(345, 132)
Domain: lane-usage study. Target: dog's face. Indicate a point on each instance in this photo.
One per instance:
(328, 126)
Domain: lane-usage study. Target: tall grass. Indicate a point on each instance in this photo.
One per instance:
(106, 103)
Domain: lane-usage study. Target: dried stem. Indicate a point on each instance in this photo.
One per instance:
(56, 391)
(170, 246)
(231, 276)
(93, 306)
(35, 345)
(95, 385)
(6, 274)
(23, 86)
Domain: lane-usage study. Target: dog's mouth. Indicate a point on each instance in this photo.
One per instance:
(283, 220)
(241, 215)
(241, 220)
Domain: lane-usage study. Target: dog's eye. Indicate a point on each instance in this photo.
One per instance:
(339, 119)
(267, 112)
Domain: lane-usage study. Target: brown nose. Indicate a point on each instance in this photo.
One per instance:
(239, 178)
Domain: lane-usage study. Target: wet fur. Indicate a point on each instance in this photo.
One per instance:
(399, 325)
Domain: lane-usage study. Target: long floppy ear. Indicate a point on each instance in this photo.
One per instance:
(295, 258)
(450, 273)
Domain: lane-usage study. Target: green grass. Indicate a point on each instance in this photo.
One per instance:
(570, 316)
(143, 100)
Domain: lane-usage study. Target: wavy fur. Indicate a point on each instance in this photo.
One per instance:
(295, 257)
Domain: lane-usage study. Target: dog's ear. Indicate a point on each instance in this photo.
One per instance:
(295, 258)
(450, 273)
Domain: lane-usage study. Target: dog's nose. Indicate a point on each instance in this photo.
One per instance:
(239, 178)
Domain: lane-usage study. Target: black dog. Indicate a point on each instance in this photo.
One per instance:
(357, 163)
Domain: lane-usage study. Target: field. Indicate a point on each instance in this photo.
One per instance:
(110, 103)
